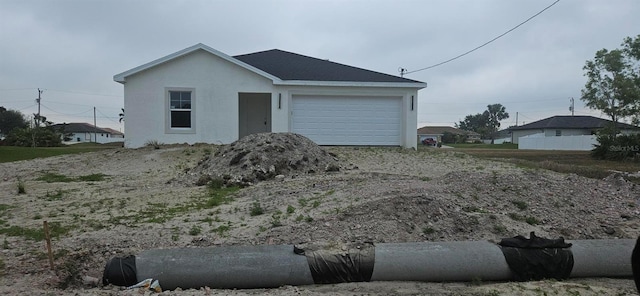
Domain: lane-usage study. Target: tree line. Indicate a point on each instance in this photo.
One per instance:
(612, 87)
(17, 130)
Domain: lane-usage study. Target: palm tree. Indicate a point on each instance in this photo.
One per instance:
(121, 115)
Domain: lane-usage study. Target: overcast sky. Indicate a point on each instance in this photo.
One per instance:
(72, 48)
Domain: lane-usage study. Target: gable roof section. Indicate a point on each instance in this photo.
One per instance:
(292, 66)
(438, 130)
(286, 68)
(123, 76)
(571, 122)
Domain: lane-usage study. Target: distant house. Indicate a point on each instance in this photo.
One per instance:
(78, 132)
(436, 133)
(500, 137)
(564, 132)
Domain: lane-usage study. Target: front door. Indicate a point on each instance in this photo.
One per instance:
(255, 113)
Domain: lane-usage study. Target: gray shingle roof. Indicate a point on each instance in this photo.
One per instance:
(80, 127)
(571, 122)
(291, 66)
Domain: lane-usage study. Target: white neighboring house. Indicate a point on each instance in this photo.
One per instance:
(564, 132)
(80, 132)
(202, 95)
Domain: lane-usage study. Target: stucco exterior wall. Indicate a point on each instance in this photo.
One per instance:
(519, 133)
(216, 83)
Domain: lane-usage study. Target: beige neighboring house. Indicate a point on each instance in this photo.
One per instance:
(436, 133)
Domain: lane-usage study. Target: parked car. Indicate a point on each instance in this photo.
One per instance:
(429, 142)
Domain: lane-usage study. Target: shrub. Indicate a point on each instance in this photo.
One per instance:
(256, 209)
(21, 189)
(620, 147)
(34, 137)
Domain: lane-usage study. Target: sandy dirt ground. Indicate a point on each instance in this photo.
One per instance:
(148, 199)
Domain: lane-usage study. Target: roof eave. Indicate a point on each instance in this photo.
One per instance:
(416, 85)
(122, 77)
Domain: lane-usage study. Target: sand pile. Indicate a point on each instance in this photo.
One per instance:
(264, 156)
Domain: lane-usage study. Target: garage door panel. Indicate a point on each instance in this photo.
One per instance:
(330, 120)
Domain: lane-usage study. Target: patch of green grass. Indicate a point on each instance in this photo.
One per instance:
(275, 219)
(528, 219)
(221, 230)
(504, 146)
(92, 178)
(532, 220)
(4, 208)
(12, 153)
(53, 177)
(215, 184)
(56, 178)
(302, 202)
(162, 212)
(576, 162)
(218, 196)
(195, 230)
(256, 209)
(55, 230)
(290, 209)
(520, 204)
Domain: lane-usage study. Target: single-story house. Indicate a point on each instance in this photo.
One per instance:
(200, 94)
(564, 132)
(567, 125)
(500, 137)
(436, 133)
(77, 132)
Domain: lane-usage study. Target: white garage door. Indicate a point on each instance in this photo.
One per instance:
(332, 120)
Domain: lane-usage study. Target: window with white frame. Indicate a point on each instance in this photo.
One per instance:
(180, 109)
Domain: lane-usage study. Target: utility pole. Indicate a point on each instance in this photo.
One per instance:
(571, 108)
(516, 118)
(95, 128)
(37, 119)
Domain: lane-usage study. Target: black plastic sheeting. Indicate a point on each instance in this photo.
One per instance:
(331, 267)
(120, 271)
(635, 264)
(537, 258)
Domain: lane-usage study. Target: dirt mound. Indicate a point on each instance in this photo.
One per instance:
(264, 156)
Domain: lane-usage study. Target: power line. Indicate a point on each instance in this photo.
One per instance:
(74, 114)
(88, 93)
(107, 117)
(404, 71)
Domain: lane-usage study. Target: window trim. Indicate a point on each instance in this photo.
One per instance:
(167, 114)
